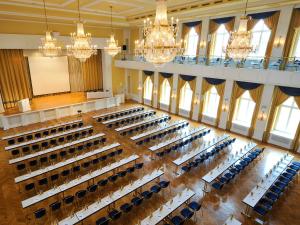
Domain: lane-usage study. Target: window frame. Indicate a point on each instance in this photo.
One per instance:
(184, 97)
(215, 36)
(207, 99)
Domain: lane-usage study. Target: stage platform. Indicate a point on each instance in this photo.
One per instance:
(55, 107)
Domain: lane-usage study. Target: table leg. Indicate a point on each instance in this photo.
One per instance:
(205, 189)
(246, 211)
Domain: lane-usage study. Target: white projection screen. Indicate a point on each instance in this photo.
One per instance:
(49, 75)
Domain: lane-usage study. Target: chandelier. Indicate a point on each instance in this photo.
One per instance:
(239, 44)
(49, 46)
(112, 45)
(159, 45)
(81, 47)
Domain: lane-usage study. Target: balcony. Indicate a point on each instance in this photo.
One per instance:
(272, 71)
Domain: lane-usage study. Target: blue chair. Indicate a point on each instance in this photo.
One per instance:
(102, 183)
(177, 220)
(130, 169)
(260, 210)
(187, 213)
(122, 173)
(195, 206)
(102, 221)
(136, 201)
(217, 185)
(272, 196)
(40, 213)
(126, 208)
(147, 194)
(155, 189)
(266, 203)
(113, 178)
(186, 168)
(55, 206)
(139, 166)
(223, 180)
(92, 188)
(275, 190)
(114, 214)
(280, 185)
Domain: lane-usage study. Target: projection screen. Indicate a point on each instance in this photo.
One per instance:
(49, 75)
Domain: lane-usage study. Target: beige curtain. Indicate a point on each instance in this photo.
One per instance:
(160, 81)
(185, 30)
(152, 79)
(220, 89)
(75, 73)
(294, 24)
(15, 83)
(256, 96)
(181, 83)
(296, 141)
(204, 89)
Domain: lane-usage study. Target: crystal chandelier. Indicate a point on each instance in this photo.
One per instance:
(112, 45)
(49, 46)
(239, 44)
(81, 47)
(159, 45)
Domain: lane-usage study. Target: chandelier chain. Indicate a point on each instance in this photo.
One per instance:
(46, 19)
(246, 7)
(78, 7)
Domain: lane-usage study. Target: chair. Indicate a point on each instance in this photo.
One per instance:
(272, 196)
(102, 183)
(54, 178)
(65, 173)
(11, 142)
(186, 168)
(80, 194)
(260, 210)
(92, 188)
(29, 187)
(21, 139)
(125, 208)
(25, 150)
(139, 166)
(53, 157)
(147, 194)
(155, 189)
(113, 178)
(114, 214)
(177, 220)
(21, 167)
(217, 185)
(15, 152)
(187, 213)
(195, 206)
(40, 213)
(102, 221)
(43, 182)
(122, 173)
(130, 169)
(164, 184)
(55, 206)
(136, 201)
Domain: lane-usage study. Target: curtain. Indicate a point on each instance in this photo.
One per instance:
(271, 21)
(205, 88)
(181, 81)
(161, 77)
(278, 98)
(92, 73)
(15, 83)
(213, 27)
(186, 29)
(220, 89)
(294, 24)
(75, 73)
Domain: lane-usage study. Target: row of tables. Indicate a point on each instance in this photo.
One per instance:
(175, 139)
(40, 129)
(267, 181)
(110, 199)
(115, 112)
(34, 141)
(49, 150)
(73, 183)
(226, 164)
(160, 128)
(126, 117)
(64, 163)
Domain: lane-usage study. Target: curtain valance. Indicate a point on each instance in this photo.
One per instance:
(291, 91)
(192, 24)
(247, 85)
(187, 77)
(148, 73)
(263, 15)
(223, 20)
(166, 75)
(214, 81)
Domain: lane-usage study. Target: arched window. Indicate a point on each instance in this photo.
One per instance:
(192, 42)
(165, 92)
(295, 50)
(260, 39)
(219, 42)
(148, 87)
(211, 103)
(287, 118)
(186, 95)
(244, 110)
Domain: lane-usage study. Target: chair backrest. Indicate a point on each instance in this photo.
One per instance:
(40, 213)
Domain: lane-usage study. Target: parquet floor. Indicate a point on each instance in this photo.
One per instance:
(217, 206)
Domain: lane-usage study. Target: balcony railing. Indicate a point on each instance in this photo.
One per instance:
(273, 63)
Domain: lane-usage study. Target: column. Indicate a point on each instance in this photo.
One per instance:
(197, 99)
(265, 105)
(1, 105)
(107, 71)
(282, 31)
(140, 88)
(155, 90)
(174, 93)
(127, 91)
(203, 37)
(226, 104)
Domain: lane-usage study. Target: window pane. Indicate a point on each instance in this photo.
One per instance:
(211, 103)
(148, 86)
(244, 110)
(165, 92)
(192, 42)
(186, 95)
(221, 40)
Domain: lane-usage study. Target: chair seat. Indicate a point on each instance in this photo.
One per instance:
(195, 206)
(114, 214)
(186, 213)
(126, 207)
(136, 201)
(155, 189)
(260, 210)
(217, 185)
(102, 221)
(164, 184)
(177, 220)
(147, 194)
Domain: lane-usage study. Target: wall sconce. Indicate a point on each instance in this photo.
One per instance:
(202, 44)
(139, 88)
(279, 42)
(155, 92)
(173, 95)
(262, 115)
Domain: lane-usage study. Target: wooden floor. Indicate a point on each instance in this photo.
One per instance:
(217, 206)
(51, 101)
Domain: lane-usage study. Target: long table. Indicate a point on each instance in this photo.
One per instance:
(64, 163)
(49, 150)
(226, 164)
(170, 141)
(40, 129)
(179, 161)
(232, 221)
(73, 183)
(115, 112)
(169, 207)
(161, 128)
(263, 186)
(141, 122)
(126, 117)
(7, 148)
(110, 199)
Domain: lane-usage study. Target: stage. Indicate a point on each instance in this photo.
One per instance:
(55, 107)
